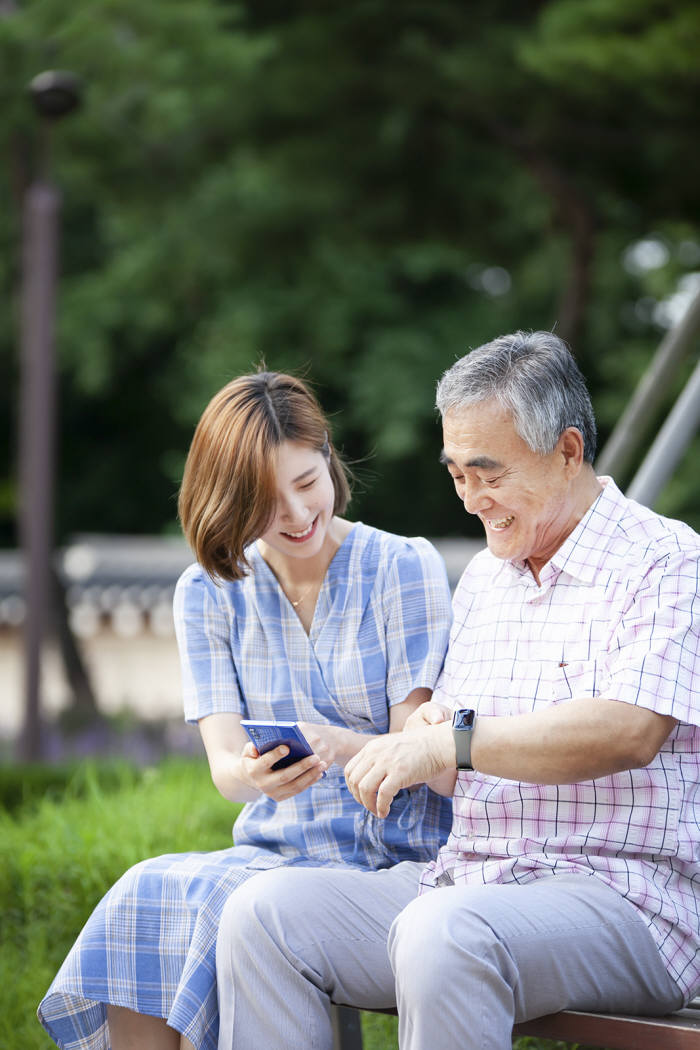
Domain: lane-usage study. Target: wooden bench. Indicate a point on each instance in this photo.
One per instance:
(679, 1031)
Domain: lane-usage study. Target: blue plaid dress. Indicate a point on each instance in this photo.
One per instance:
(380, 629)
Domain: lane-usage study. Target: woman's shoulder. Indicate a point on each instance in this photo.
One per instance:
(386, 548)
(196, 583)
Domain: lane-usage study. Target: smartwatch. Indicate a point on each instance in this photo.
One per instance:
(462, 727)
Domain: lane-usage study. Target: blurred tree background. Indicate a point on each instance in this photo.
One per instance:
(359, 192)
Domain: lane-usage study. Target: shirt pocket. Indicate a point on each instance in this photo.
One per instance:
(570, 681)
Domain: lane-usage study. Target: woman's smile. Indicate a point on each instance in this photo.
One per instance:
(305, 534)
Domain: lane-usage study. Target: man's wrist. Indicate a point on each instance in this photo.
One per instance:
(447, 757)
(463, 722)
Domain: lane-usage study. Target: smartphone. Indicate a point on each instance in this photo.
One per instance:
(266, 735)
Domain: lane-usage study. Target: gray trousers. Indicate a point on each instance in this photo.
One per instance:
(461, 963)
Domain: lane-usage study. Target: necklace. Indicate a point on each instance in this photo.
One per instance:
(306, 593)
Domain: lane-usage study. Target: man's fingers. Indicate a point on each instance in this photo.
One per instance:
(364, 784)
(385, 796)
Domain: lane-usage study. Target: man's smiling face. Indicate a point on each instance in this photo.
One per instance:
(526, 502)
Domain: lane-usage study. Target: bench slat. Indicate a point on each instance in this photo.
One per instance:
(679, 1031)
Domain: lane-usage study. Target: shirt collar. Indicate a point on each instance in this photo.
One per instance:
(583, 552)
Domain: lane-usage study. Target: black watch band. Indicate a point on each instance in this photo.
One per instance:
(462, 728)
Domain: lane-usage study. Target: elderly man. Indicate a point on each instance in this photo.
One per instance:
(566, 725)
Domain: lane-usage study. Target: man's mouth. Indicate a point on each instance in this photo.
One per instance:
(299, 537)
(499, 524)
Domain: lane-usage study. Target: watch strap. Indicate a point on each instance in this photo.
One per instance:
(462, 728)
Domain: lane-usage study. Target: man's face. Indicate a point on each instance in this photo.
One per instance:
(526, 502)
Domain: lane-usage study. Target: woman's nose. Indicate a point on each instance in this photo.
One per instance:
(292, 507)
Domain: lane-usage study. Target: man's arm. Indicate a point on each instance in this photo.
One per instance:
(578, 740)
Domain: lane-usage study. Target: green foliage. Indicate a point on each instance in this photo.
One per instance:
(357, 192)
(58, 856)
(22, 786)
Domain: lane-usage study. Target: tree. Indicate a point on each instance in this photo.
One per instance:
(354, 191)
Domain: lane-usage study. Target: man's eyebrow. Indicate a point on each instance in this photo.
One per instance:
(478, 462)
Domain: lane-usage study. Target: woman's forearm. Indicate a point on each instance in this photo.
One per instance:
(226, 773)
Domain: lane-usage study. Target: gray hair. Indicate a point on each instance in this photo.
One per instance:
(534, 377)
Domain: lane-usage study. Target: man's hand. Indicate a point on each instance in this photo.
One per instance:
(397, 760)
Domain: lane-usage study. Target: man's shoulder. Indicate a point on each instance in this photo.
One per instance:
(642, 535)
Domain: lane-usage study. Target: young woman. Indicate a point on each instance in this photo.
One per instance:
(290, 613)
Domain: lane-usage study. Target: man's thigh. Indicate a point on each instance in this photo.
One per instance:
(561, 942)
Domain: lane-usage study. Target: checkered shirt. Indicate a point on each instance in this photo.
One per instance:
(616, 616)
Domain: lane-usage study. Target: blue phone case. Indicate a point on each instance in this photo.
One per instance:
(266, 735)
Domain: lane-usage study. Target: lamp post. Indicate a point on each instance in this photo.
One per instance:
(54, 94)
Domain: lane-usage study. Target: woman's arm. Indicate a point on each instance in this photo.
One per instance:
(336, 744)
(241, 774)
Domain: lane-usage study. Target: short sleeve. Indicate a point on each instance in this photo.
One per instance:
(417, 617)
(654, 655)
(203, 631)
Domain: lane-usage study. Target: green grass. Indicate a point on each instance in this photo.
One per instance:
(66, 834)
(59, 854)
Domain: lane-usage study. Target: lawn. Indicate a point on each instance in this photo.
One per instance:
(66, 834)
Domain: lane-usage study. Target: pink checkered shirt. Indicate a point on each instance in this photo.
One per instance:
(617, 615)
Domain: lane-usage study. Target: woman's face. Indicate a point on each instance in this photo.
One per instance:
(305, 500)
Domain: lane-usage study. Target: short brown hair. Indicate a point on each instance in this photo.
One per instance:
(227, 497)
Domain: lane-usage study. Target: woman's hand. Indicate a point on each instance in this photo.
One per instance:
(428, 714)
(256, 771)
(331, 743)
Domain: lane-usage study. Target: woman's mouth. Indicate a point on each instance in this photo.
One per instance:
(305, 534)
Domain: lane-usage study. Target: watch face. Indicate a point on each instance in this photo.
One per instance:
(463, 719)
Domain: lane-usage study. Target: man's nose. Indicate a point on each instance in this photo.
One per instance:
(475, 496)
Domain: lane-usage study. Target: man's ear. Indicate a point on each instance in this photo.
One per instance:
(570, 446)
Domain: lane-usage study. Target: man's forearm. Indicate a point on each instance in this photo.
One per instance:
(578, 740)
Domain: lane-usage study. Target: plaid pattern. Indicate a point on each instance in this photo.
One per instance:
(617, 615)
(380, 630)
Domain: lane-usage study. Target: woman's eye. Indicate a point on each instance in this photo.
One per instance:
(308, 484)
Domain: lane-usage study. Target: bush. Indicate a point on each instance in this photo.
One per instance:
(22, 785)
